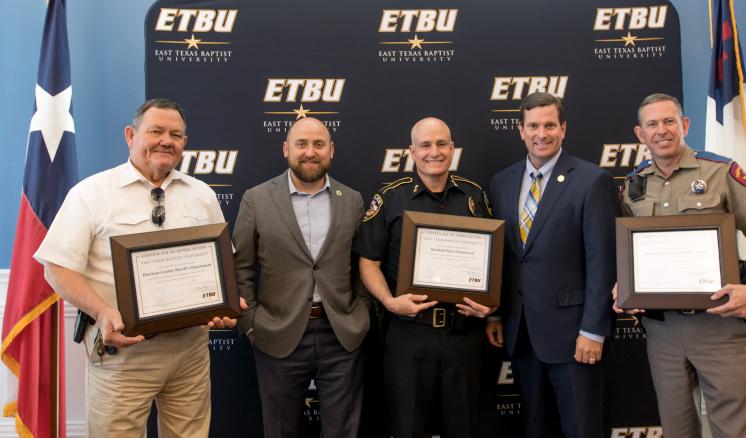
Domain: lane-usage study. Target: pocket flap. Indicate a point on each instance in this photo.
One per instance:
(131, 218)
(571, 297)
(642, 208)
(698, 202)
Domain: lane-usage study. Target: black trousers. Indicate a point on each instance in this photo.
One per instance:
(432, 379)
(338, 375)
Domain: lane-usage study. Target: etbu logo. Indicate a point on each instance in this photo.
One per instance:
(418, 20)
(203, 162)
(395, 157)
(304, 90)
(637, 432)
(518, 87)
(650, 17)
(196, 20)
(623, 155)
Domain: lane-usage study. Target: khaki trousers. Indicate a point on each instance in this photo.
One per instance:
(701, 349)
(173, 368)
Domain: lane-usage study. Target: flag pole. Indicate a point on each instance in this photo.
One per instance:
(54, 384)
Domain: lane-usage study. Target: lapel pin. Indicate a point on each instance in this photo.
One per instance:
(561, 178)
(339, 192)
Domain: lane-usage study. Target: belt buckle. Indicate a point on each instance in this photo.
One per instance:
(687, 311)
(439, 317)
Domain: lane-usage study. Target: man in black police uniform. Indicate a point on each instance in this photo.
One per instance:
(432, 358)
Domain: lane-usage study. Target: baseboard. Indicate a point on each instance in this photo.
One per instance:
(75, 429)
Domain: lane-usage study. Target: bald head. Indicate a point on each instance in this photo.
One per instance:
(427, 125)
(311, 124)
(432, 151)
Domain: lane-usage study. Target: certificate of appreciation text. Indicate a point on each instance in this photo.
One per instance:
(176, 279)
(447, 258)
(676, 261)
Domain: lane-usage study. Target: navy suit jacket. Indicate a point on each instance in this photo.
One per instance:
(561, 280)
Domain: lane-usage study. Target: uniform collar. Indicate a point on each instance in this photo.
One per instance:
(419, 187)
(688, 161)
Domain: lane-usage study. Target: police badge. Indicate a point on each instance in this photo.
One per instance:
(699, 186)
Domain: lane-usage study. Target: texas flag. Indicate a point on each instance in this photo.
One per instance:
(726, 106)
(34, 356)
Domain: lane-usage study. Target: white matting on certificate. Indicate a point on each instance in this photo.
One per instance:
(451, 259)
(176, 279)
(676, 260)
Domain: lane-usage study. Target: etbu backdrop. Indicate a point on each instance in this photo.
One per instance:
(245, 71)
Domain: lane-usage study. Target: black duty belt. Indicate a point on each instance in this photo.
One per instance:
(437, 317)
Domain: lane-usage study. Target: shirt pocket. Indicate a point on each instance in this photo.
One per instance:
(700, 204)
(131, 219)
(193, 215)
(642, 208)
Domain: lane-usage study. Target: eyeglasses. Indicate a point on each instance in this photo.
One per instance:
(158, 216)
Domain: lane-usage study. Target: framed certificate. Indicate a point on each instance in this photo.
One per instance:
(675, 262)
(171, 279)
(450, 257)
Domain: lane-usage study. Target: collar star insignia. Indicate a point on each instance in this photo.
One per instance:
(301, 113)
(52, 117)
(416, 42)
(192, 42)
(629, 40)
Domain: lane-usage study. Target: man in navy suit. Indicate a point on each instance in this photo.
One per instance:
(559, 269)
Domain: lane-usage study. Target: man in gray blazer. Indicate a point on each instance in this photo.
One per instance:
(293, 239)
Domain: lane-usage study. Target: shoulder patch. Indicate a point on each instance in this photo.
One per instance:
(640, 167)
(737, 174)
(456, 178)
(397, 183)
(709, 156)
(375, 206)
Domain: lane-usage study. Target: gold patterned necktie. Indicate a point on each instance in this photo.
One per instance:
(529, 207)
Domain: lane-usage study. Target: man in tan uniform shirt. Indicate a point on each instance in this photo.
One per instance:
(690, 348)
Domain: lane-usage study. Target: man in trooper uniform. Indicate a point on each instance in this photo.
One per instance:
(689, 348)
(432, 358)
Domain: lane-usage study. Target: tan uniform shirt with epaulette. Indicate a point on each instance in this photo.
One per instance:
(682, 192)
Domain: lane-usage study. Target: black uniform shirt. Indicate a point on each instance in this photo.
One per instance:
(379, 237)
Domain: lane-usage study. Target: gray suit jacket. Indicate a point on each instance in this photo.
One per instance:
(276, 273)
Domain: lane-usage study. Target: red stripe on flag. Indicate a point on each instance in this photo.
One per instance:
(727, 31)
(27, 326)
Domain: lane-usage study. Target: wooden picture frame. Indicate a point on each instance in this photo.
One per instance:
(449, 257)
(172, 279)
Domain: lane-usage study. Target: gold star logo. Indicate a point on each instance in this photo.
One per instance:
(192, 42)
(416, 42)
(301, 112)
(629, 40)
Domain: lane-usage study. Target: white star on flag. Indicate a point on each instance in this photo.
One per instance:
(52, 117)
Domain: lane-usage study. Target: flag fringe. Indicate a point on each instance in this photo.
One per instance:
(738, 64)
(24, 321)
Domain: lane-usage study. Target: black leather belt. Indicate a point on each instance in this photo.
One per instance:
(690, 311)
(317, 311)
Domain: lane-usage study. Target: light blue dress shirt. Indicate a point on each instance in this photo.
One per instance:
(313, 211)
